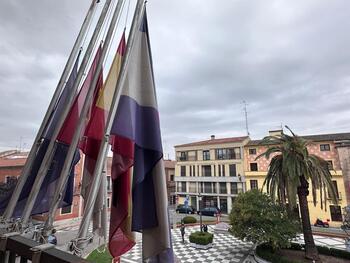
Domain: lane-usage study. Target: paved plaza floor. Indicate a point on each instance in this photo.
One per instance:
(226, 248)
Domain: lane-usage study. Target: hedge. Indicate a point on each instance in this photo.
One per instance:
(265, 252)
(201, 238)
(189, 220)
(325, 251)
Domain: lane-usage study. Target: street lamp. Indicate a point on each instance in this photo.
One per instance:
(200, 211)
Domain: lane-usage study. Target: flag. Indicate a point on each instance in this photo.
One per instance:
(120, 237)
(46, 193)
(137, 133)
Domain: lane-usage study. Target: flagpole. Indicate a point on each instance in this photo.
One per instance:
(84, 225)
(26, 169)
(45, 165)
(82, 119)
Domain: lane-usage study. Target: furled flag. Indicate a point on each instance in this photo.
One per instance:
(47, 189)
(137, 135)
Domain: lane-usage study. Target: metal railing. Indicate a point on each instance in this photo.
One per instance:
(16, 248)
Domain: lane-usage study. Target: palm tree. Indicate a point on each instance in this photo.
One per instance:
(290, 171)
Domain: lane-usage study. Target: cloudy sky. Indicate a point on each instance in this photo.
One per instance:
(289, 60)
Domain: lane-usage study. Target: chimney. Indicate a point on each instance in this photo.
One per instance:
(212, 137)
(275, 133)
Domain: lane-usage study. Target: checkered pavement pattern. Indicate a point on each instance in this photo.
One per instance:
(226, 249)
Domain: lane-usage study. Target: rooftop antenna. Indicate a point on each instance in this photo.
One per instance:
(245, 104)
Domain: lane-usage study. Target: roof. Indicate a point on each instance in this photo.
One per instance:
(214, 141)
(170, 164)
(315, 138)
(12, 162)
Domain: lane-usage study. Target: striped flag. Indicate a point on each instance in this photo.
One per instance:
(121, 239)
(138, 146)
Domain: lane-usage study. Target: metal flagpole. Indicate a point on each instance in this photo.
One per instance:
(82, 119)
(84, 225)
(45, 165)
(32, 154)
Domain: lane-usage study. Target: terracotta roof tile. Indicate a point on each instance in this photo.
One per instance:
(214, 141)
(4, 162)
(316, 138)
(170, 164)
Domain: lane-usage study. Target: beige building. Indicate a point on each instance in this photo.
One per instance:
(213, 168)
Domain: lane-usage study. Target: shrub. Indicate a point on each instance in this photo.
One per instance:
(257, 218)
(201, 238)
(189, 220)
(265, 251)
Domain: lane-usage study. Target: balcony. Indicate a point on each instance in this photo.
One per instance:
(339, 196)
(21, 249)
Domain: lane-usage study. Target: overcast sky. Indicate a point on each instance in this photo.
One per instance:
(289, 60)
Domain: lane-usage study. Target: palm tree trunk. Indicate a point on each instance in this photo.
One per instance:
(310, 248)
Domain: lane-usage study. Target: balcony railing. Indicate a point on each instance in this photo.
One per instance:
(16, 248)
(339, 196)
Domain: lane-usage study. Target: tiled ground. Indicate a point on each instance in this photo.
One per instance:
(334, 242)
(225, 249)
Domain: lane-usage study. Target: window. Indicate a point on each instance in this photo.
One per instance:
(325, 147)
(192, 187)
(183, 186)
(330, 165)
(183, 170)
(335, 185)
(234, 188)
(183, 156)
(190, 170)
(223, 188)
(222, 170)
(206, 155)
(253, 167)
(108, 203)
(206, 170)
(66, 210)
(233, 170)
(336, 213)
(252, 151)
(208, 188)
(109, 183)
(228, 153)
(253, 184)
(172, 177)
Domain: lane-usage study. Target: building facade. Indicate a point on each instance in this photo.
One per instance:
(211, 170)
(333, 148)
(11, 165)
(169, 166)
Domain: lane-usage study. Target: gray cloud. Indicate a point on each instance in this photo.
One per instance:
(288, 60)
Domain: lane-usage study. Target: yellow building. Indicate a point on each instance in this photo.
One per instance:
(214, 168)
(331, 147)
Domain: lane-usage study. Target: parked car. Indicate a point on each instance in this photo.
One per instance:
(209, 211)
(185, 209)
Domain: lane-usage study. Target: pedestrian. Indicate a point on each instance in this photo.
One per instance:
(205, 228)
(52, 239)
(182, 229)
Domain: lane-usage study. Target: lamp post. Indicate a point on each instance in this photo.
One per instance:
(200, 211)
